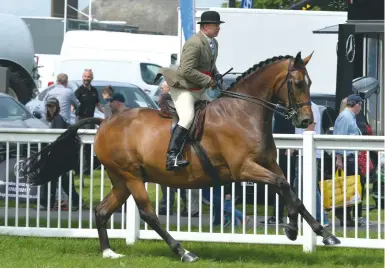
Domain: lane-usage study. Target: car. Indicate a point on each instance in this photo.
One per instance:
(135, 97)
(15, 115)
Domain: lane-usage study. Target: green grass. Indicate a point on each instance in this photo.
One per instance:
(61, 252)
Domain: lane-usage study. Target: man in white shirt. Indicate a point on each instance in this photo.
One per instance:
(316, 127)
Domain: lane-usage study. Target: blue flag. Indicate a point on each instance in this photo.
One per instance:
(247, 4)
(187, 15)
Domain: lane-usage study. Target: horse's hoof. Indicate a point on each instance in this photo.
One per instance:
(108, 253)
(189, 257)
(290, 233)
(331, 241)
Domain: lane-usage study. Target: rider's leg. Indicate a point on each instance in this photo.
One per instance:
(184, 105)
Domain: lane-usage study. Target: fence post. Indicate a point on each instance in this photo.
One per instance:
(309, 188)
(132, 221)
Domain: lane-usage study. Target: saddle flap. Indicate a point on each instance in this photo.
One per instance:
(170, 106)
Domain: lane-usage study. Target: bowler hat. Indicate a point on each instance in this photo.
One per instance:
(210, 17)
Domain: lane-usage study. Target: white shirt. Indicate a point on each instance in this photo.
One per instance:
(317, 129)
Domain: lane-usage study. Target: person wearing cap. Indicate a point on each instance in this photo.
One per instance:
(346, 124)
(117, 103)
(188, 83)
(56, 122)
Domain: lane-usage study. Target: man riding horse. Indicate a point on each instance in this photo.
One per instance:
(195, 73)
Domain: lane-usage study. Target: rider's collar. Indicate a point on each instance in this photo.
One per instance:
(208, 38)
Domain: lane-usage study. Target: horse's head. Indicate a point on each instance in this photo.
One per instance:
(293, 90)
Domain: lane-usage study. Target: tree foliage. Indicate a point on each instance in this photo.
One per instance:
(326, 5)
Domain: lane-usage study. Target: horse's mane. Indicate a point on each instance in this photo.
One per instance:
(259, 66)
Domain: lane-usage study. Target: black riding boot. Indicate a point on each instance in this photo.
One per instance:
(175, 149)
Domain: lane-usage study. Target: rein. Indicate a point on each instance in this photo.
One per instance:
(288, 112)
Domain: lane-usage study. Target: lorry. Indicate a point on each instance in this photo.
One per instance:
(249, 36)
(116, 56)
(19, 76)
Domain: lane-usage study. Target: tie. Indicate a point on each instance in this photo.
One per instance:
(212, 47)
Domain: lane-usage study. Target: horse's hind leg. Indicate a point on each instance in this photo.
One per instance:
(146, 211)
(256, 173)
(105, 209)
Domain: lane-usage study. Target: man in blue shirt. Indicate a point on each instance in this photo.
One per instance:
(65, 96)
(346, 124)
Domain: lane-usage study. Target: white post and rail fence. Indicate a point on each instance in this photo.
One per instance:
(20, 213)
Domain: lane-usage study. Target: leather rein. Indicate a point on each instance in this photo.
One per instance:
(294, 106)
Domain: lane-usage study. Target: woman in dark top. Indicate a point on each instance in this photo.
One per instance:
(52, 114)
(56, 121)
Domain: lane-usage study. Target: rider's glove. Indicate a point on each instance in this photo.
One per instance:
(218, 78)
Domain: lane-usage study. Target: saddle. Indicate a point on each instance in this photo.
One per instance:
(196, 130)
(195, 133)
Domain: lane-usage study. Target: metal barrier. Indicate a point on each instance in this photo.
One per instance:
(21, 212)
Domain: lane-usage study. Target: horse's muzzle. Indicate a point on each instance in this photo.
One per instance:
(305, 122)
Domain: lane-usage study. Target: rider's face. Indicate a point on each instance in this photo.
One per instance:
(212, 30)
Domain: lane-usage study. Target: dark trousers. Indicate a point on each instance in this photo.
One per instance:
(65, 185)
(284, 165)
(350, 171)
(173, 191)
(86, 148)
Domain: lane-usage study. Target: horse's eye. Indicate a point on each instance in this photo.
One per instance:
(298, 82)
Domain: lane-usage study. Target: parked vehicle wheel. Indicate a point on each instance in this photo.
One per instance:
(18, 88)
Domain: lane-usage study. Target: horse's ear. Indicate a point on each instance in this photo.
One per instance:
(298, 59)
(307, 59)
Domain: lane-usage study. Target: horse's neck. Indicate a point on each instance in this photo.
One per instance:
(258, 85)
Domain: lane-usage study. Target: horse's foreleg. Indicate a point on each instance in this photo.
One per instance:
(146, 211)
(291, 229)
(103, 212)
(251, 171)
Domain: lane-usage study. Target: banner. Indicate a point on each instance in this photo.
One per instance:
(247, 4)
(187, 14)
(21, 190)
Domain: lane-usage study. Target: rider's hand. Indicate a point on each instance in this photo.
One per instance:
(212, 83)
(218, 77)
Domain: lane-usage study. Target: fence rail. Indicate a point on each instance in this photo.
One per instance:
(21, 212)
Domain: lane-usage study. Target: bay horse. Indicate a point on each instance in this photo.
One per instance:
(237, 138)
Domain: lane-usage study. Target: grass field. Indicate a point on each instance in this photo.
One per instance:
(50, 252)
(63, 252)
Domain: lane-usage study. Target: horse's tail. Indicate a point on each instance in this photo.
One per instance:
(57, 158)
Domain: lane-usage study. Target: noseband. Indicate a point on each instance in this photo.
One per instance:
(294, 106)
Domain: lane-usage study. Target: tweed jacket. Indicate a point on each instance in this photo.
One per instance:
(197, 65)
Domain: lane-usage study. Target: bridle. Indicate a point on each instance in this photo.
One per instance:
(294, 106)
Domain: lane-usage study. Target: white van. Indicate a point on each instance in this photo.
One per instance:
(116, 56)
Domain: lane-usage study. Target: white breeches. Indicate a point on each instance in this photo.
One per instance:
(184, 101)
